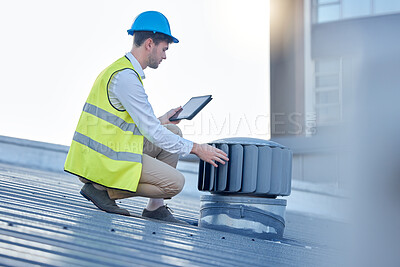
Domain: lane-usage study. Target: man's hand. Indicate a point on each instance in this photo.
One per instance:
(209, 154)
(164, 119)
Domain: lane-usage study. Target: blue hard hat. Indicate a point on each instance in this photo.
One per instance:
(152, 21)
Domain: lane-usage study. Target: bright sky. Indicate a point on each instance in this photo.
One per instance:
(52, 51)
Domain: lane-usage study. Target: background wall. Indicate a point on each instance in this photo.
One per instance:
(52, 51)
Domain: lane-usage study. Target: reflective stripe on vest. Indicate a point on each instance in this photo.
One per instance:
(111, 118)
(105, 150)
(107, 146)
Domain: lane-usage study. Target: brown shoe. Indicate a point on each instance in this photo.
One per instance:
(101, 200)
(163, 213)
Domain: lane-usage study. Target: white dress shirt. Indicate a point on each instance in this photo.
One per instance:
(127, 93)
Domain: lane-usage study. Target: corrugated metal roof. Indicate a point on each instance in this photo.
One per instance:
(45, 221)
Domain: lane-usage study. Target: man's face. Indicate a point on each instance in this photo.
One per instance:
(158, 53)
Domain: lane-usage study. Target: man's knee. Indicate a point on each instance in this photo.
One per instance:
(180, 182)
(175, 129)
(177, 186)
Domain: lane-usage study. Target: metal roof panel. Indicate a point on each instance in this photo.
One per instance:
(44, 221)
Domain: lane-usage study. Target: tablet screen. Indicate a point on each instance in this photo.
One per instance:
(191, 108)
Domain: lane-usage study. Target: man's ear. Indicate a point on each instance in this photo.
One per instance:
(148, 44)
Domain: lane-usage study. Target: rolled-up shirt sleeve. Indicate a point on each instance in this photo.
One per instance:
(127, 88)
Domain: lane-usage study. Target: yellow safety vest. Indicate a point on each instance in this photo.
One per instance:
(107, 146)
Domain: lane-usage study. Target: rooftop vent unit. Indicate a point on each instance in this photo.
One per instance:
(244, 190)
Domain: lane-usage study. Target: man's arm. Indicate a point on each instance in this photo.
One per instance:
(132, 96)
(130, 92)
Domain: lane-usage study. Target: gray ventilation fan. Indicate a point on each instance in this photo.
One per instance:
(256, 167)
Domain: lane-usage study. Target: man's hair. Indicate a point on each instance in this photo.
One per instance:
(141, 36)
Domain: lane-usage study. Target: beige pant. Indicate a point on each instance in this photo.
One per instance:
(159, 177)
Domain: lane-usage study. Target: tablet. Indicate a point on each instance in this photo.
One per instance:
(191, 108)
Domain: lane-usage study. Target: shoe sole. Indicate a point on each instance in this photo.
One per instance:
(94, 202)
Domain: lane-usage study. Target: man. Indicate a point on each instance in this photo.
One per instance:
(120, 149)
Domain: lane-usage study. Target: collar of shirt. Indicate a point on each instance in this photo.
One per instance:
(135, 64)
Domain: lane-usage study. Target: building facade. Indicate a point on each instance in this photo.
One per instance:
(326, 57)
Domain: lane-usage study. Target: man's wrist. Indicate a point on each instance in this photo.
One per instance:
(194, 148)
(161, 119)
